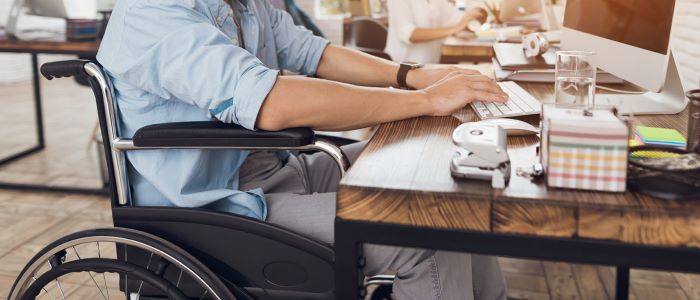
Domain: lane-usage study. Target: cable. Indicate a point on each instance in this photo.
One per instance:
(605, 88)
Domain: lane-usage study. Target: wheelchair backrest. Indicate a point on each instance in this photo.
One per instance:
(107, 111)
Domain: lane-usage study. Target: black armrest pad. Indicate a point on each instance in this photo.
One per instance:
(217, 134)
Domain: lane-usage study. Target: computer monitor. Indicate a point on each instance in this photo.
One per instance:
(45, 8)
(511, 9)
(632, 41)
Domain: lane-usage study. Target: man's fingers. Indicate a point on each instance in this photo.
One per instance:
(487, 85)
(493, 91)
(484, 95)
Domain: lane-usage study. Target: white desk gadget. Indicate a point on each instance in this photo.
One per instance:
(482, 153)
(514, 127)
(520, 103)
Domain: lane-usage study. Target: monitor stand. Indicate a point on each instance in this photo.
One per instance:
(13, 19)
(671, 99)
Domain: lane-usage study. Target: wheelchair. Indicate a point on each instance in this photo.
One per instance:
(181, 253)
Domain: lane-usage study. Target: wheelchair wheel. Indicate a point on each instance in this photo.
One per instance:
(116, 263)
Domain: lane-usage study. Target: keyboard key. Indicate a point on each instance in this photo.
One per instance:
(492, 108)
(514, 108)
(520, 103)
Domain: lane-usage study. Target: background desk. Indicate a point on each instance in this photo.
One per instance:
(34, 48)
(400, 192)
(457, 50)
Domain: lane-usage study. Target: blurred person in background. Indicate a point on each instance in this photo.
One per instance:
(418, 28)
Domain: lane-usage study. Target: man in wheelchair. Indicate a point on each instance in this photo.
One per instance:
(194, 60)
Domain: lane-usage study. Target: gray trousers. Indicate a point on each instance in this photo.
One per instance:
(301, 197)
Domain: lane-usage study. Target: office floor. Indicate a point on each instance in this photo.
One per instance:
(28, 221)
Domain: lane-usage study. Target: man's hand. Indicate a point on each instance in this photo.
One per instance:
(456, 90)
(429, 75)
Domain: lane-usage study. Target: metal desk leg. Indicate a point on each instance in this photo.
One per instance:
(622, 283)
(348, 264)
(38, 117)
(41, 143)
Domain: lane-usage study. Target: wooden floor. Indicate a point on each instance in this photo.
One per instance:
(29, 221)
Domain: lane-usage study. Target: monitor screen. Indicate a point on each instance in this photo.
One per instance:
(644, 24)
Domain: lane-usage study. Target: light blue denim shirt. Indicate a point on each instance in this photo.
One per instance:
(180, 60)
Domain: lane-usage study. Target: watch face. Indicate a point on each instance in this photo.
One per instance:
(412, 65)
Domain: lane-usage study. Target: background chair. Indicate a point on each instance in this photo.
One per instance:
(298, 15)
(183, 253)
(367, 35)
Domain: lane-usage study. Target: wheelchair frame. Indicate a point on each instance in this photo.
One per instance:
(156, 223)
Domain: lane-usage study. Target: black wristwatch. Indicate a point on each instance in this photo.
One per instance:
(403, 73)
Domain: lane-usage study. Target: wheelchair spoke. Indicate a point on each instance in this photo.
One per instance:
(205, 293)
(92, 277)
(126, 276)
(177, 285)
(104, 276)
(45, 291)
(58, 284)
(148, 265)
(60, 288)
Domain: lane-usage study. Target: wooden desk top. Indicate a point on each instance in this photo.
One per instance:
(56, 45)
(403, 177)
(461, 49)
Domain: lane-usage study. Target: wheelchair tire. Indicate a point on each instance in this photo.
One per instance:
(53, 263)
(102, 265)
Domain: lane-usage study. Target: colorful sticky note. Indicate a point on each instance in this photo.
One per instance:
(660, 136)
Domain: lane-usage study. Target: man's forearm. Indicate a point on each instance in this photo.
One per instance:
(325, 105)
(354, 67)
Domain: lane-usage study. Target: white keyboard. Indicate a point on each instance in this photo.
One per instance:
(520, 103)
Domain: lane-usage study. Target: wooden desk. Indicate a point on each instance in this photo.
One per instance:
(458, 50)
(56, 45)
(400, 192)
(51, 46)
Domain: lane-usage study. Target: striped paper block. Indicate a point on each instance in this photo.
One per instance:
(587, 152)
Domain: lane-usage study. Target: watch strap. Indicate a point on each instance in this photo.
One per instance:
(403, 75)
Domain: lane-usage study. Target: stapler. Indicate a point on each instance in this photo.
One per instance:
(482, 153)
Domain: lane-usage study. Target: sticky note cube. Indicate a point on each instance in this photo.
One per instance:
(584, 151)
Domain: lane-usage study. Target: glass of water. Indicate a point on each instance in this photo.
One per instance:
(575, 79)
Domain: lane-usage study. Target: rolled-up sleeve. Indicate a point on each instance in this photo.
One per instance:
(181, 56)
(401, 19)
(298, 49)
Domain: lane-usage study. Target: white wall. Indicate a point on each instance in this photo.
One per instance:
(4, 10)
(686, 42)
